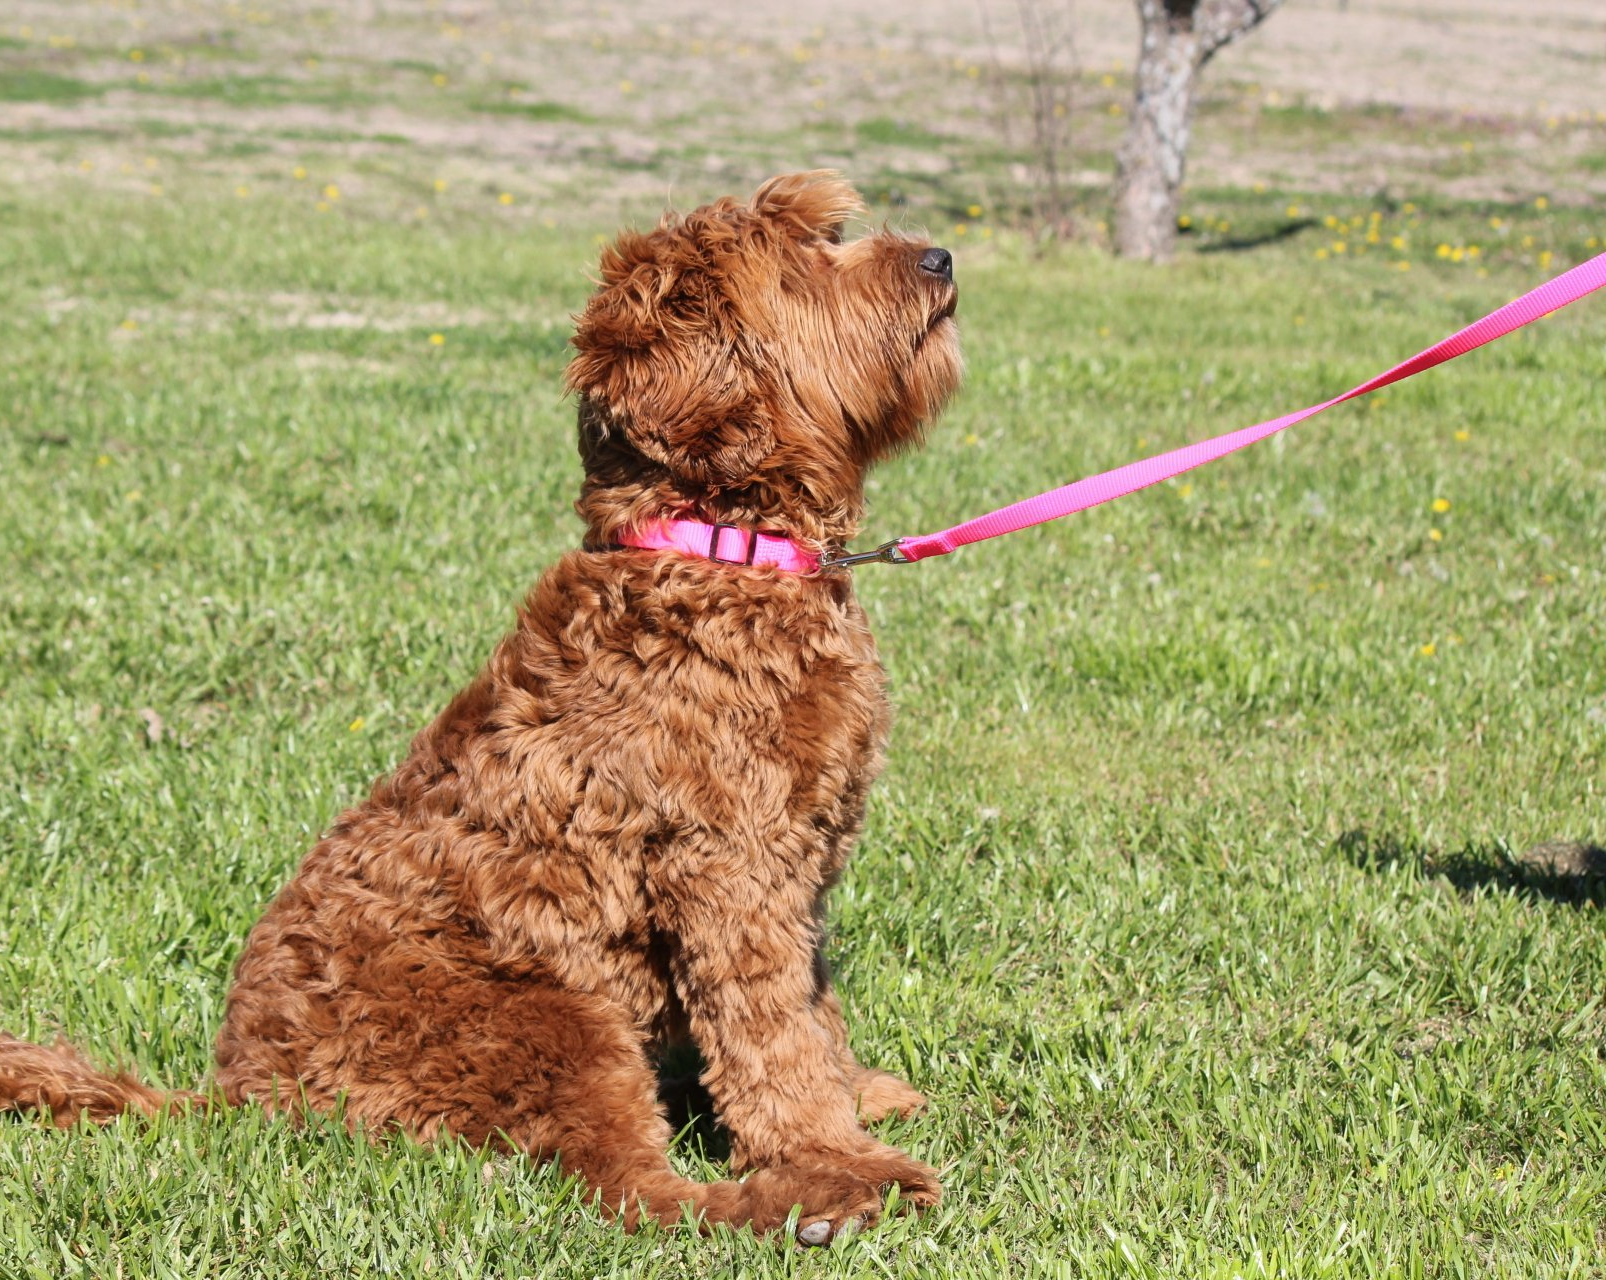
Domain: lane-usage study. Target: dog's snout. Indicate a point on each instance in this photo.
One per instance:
(938, 262)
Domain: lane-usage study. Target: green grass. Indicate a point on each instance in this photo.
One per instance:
(1188, 895)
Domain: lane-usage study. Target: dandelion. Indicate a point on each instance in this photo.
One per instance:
(331, 193)
(440, 185)
(242, 191)
(1184, 221)
(299, 173)
(1321, 256)
(1107, 80)
(1104, 331)
(322, 206)
(104, 460)
(129, 324)
(1408, 208)
(437, 339)
(1542, 203)
(1339, 246)
(1428, 650)
(960, 228)
(1443, 251)
(1263, 563)
(86, 165)
(136, 55)
(1185, 491)
(1293, 211)
(1398, 242)
(438, 80)
(1441, 505)
(156, 188)
(1496, 223)
(973, 210)
(1436, 535)
(133, 495)
(1115, 109)
(356, 725)
(627, 86)
(972, 439)
(1463, 436)
(986, 233)
(1545, 260)
(1403, 266)
(505, 198)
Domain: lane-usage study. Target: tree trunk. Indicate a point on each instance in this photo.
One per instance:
(1179, 37)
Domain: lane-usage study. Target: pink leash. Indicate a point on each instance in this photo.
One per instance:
(1068, 499)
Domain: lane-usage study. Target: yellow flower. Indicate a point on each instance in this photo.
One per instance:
(133, 495)
(960, 228)
(440, 184)
(1408, 207)
(1398, 242)
(1443, 251)
(1542, 203)
(1114, 108)
(1339, 246)
(1436, 535)
(1545, 260)
(438, 80)
(298, 173)
(1321, 256)
(505, 198)
(1441, 505)
(1496, 223)
(136, 55)
(1185, 491)
(104, 460)
(356, 725)
(1463, 436)
(437, 339)
(972, 439)
(1184, 221)
(627, 86)
(1403, 265)
(1428, 650)
(242, 191)
(1263, 563)
(331, 193)
(1293, 211)
(973, 211)
(130, 325)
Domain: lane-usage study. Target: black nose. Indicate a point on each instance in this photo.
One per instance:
(938, 262)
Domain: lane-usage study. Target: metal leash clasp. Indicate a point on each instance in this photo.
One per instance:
(886, 553)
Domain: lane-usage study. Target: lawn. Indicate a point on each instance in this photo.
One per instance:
(1191, 894)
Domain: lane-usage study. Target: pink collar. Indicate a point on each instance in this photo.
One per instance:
(722, 543)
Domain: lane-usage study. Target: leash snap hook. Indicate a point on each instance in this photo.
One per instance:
(886, 553)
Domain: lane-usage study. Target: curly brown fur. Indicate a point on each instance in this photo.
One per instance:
(621, 834)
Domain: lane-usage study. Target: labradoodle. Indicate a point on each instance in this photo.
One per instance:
(620, 835)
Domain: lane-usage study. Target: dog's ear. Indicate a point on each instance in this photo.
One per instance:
(811, 205)
(665, 365)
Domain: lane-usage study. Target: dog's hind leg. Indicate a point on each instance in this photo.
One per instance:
(420, 1041)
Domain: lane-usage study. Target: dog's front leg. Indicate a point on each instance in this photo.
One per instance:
(876, 1094)
(745, 972)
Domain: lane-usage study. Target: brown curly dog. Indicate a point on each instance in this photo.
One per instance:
(620, 835)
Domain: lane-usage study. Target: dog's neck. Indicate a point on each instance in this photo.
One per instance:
(610, 509)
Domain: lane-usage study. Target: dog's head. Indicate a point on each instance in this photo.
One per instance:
(747, 363)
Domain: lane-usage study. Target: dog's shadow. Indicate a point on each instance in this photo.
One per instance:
(1570, 873)
(688, 1104)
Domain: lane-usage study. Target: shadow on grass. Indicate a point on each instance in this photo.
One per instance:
(1571, 873)
(1241, 244)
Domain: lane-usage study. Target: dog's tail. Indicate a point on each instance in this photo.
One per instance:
(60, 1080)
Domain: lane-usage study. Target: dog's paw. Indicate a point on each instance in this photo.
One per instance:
(887, 1167)
(831, 1201)
(880, 1094)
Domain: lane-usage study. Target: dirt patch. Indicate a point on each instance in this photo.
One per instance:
(630, 105)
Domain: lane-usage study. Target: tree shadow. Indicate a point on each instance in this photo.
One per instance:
(1569, 873)
(1240, 244)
